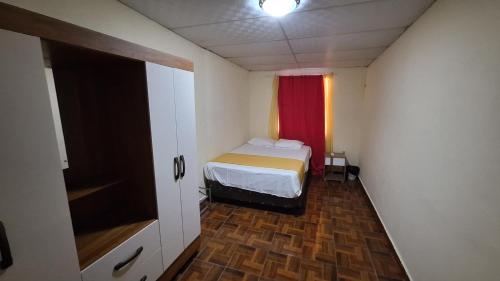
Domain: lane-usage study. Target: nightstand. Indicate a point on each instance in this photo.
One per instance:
(335, 167)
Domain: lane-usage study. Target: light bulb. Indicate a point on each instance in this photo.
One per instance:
(278, 8)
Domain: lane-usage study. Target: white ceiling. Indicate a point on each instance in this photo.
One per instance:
(320, 33)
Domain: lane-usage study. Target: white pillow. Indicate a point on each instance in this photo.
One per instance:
(262, 142)
(291, 144)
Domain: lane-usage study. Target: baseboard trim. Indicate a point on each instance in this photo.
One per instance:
(386, 231)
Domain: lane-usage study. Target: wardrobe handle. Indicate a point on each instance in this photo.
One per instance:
(176, 168)
(120, 265)
(144, 278)
(5, 254)
(183, 171)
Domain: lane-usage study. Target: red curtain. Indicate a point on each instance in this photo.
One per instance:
(301, 105)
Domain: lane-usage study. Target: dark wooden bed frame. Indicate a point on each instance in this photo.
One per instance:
(257, 200)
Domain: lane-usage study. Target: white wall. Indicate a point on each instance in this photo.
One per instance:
(431, 146)
(221, 87)
(347, 102)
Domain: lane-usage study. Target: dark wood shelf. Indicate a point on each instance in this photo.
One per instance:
(93, 245)
(85, 190)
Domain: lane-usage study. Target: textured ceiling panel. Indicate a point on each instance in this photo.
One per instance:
(253, 49)
(279, 59)
(238, 32)
(340, 55)
(180, 13)
(353, 18)
(317, 4)
(348, 63)
(265, 67)
(183, 13)
(346, 42)
(320, 33)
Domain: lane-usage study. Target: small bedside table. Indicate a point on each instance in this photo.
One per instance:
(335, 167)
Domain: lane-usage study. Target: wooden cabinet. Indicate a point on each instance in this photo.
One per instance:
(101, 171)
(335, 167)
(110, 185)
(173, 129)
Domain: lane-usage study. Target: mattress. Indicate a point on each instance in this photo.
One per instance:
(278, 182)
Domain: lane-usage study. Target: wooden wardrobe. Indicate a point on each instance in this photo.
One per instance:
(98, 164)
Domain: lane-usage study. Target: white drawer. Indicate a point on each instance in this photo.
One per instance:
(339, 161)
(150, 270)
(103, 269)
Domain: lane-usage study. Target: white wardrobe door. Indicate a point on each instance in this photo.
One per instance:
(187, 147)
(163, 133)
(33, 201)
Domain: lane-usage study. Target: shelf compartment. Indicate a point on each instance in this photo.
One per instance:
(88, 189)
(91, 246)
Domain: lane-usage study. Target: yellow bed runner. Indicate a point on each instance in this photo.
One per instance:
(263, 162)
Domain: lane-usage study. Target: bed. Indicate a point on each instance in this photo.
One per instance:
(264, 177)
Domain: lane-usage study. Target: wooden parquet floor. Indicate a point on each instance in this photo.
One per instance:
(338, 238)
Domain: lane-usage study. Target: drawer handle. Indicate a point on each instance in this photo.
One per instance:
(120, 265)
(144, 278)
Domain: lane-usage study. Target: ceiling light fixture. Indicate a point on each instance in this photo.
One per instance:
(278, 8)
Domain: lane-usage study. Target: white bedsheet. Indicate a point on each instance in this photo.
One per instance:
(283, 183)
